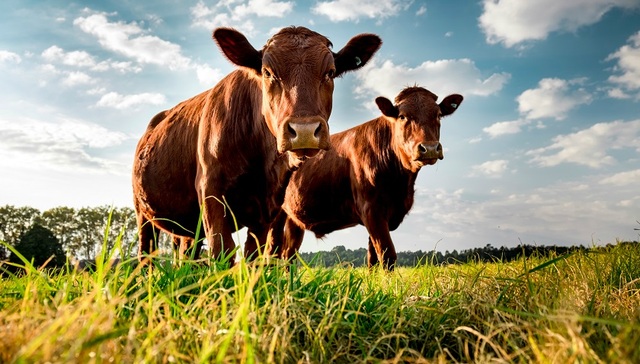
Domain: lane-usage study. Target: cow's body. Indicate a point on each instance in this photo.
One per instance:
(227, 153)
(366, 178)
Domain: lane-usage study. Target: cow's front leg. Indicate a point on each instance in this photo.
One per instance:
(380, 239)
(216, 227)
(256, 242)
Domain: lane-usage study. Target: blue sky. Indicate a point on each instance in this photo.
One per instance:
(544, 150)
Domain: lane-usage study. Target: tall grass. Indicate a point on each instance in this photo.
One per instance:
(583, 307)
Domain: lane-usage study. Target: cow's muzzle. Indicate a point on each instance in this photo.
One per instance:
(304, 134)
(429, 153)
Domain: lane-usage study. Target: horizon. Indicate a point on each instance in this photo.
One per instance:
(545, 148)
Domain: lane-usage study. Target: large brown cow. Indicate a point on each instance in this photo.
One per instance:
(231, 149)
(367, 177)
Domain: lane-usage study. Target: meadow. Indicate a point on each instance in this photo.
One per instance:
(583, 307)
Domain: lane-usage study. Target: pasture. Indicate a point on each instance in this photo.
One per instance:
(581, 307)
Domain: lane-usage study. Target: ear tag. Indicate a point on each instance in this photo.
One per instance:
(454, 105)
(358, 61)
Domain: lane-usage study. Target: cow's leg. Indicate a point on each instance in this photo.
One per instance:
(380, 238)
(217, 228)
(275, 235)
(293, 235)
(256, 242)
(372, 255)
(146, 237)
(185, 248)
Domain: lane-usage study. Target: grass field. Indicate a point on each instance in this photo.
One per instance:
(583, 307)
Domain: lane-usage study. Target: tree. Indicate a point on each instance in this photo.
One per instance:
(61, 221)
(14, 222)
(89, 234)
(38, 244)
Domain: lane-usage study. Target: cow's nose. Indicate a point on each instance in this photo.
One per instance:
(430, 150)
(307, 133)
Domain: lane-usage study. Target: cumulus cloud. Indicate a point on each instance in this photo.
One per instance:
(6, 56)
(442, 77)
(118, 101)
(82, 59)
(72, 79)
(553, 98)
(62, 145)
(505, 127)
(623, 178)
(512, 22)
(353, 10)
(129, 40)
(493, 169)
(589, 147)
(627, 69)
(208, 76)
(230, 13)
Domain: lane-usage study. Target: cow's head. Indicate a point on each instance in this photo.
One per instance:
(415, 125)
(297, 68)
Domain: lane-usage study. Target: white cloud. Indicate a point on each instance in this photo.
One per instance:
(553, 98)
(6, 56)
(493, 169)
(513, 22)
(82, 59)
(353, 10)
(77, 78)
(623, 178)
(442, 77)
(75, 58)
(208, 76)
(118, 101)
(589, 147)
(421, 11)
(628, 69)
(59, 145)
(129, 40)
(231, 14)
(505, 127)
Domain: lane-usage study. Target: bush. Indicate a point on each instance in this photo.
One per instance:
(37, 245)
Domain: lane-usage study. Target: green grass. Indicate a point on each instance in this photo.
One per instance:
(583, 307)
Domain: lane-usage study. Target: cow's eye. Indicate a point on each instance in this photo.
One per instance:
(402, 118)
(329, 75)
(266, 73)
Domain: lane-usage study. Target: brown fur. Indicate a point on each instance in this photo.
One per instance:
(367, 178)
(231, 149)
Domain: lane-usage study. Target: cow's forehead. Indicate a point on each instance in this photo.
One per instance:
(291, 38)
(415, 93)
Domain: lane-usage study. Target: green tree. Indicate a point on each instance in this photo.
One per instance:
(61, 221)
(37, 245)
(14, 222)
(89, 234)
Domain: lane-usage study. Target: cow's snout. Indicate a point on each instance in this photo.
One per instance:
(304, 133)
(430, 151)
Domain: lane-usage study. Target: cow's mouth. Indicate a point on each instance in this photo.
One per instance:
(304, 153)
(425, 161)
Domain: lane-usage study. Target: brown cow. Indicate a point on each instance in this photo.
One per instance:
(231, 149)
(366, 178)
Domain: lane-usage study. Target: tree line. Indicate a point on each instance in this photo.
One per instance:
(340, 256)
(81, 234)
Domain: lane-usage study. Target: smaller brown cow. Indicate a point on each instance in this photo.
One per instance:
(367, 177)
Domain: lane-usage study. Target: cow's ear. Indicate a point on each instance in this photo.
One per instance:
(356, 53)
(237, 48)
(450, 104)
(386, 107)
